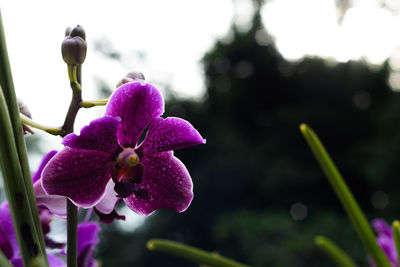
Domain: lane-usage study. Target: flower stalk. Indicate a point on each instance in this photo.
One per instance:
(74, 74)
(336, 253)
(192, 254)
(51, 130)
(15, 167)
(396, 236)
(3, 260)
(92, 103)
(345, 196)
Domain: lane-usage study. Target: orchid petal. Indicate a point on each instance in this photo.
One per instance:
(7, 229)
(167, 184)
(109, 217)
(45, 159)
(87, 239)
(110, 199)
(54, 203)
(169, 134)
(99, 135)
(81, 175)
(136, 104)
(55, 261)
(87, 235)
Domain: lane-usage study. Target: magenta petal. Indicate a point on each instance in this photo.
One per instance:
(167, 183)
(169, 134)
(87, 239)
(45, 159)
(54, 261)
(54, 203)
(87, 235)
(100, 135)
(81, 175)
(110, 199)
(136, 104)
(7, 231)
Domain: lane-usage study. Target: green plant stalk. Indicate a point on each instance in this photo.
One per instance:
(192, 254)
(396, 236)
(336, 253)
(92, 103)
(15, 190)
(4, 261)
(11, 103)
(72, 232)
(345, 196)
(75, 77)
(51, 130)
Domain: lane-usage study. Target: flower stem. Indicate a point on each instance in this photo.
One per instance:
(335, 252)
(51, 130)
(345, 196)
(192, 254)
(14, 160)
(396, 236)
(4, 261)
(92, 103)
(72, 231)
(15, 188)
(74, 73)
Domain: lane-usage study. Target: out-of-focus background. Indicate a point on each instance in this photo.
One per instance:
(245, 74)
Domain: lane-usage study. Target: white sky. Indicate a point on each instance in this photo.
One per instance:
(174, 35)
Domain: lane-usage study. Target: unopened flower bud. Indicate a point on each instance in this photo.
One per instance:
(74, 46)
(68, 31)
(131, 77)
(78, 31)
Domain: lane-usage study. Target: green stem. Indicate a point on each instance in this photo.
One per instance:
(92, 103)
(345, 196)
(26, 187)
(336, 253)
(396, 236)
(72, 74)
(4, 261)
(51, 130)
(72, 232)
(68, 127)
(15, 190)
(192, 254)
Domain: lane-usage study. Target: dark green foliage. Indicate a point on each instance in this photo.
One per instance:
(256, 164)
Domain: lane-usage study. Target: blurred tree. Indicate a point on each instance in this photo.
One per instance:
(256, 165)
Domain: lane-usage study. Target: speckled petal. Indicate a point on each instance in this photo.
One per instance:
(99, 135)
(81, 175)
(136, 104)
(45, 159)
(169, 134)
(167, 183)
(110, 199)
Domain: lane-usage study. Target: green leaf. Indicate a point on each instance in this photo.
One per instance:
(345, 196)
(192, 254)
(336, 253)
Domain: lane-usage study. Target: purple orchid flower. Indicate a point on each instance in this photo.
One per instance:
(8, 240)
(56, 204)
(147, 176)
(385, 241)
(87, 240)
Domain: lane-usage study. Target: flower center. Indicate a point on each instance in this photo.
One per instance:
(128, 156)
(127, 172)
